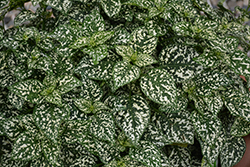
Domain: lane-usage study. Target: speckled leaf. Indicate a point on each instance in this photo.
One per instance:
(233, 151)
(148, 154)
(141, 41)
(176, 127)
(212, 79)
(101, 71)
(238, 105)
(121, 36)
(97, 53)
(40, 162)
(7, 161)
(103, 126)
(180, 157)
(144, 60)
(156, 28)
(66, 34)
(65, 51)
(54, 98)
(207, 127)
(61, 5)
(84, 161)
(132, 115)
(101, 37)
(67, 83)
(93, 22)
(159, 86)
(29, 123)
(15, 100)
(142, 3)
(6, 78)
(48, 118)
(125, 51)
(211, 153)
(240, 127)
(28, 90)
(51, 151)
(21, 72)
(26, 147)
(183, 29)
(46, 44)
(43, 63)
(83, 105)
(11, 127)
(178, 61)
(111, 7)
(155, 136)
(239, 62)
(124, 73)
(227, 45)
(106, 152)
(90, 90)
(207, 59)
(80, 42)
(214, 103)
(181, 103)
(25, 15)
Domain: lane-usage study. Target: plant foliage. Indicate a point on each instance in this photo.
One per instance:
(123, 83)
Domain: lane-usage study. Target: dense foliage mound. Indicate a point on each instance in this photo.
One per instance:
(123, 83)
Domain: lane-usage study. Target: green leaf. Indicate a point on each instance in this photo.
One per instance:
(48, 118)
(103, 126)
(43, 63)
(124, 73)
(97, 53)
(148, 154)
(11, 127)
(178, 61)
(54, 98)
(51, 151)
(132, 115)
(240, 127)
(93, 22)
(101, 37)
(239, 62)
(159, 86)
(176, 127)
(142, 42)
(67, 83)
(226, 45)
(28, 90)
(111, 7)
(207, 127)
(26, 147)
(60, 5)
(15, 100)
